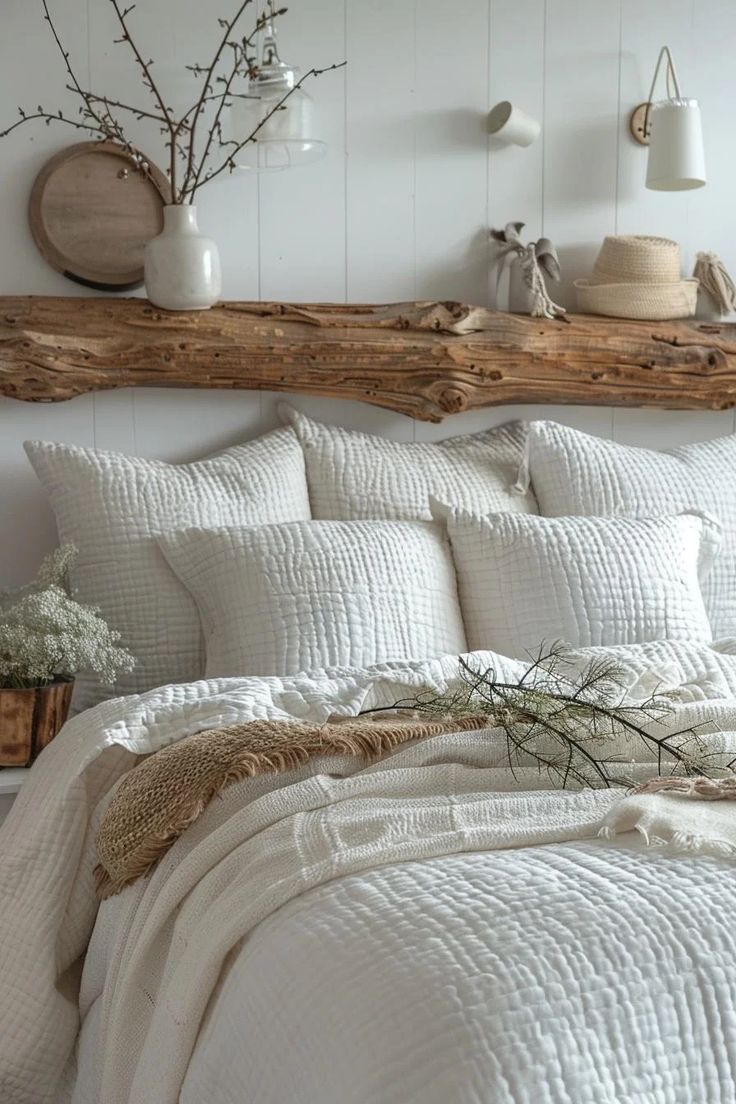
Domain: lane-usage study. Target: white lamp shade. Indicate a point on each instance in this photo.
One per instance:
(676, 160)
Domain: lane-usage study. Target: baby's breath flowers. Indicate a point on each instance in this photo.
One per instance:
(46, 635)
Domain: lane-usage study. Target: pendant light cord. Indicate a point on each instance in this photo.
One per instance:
(672, 82)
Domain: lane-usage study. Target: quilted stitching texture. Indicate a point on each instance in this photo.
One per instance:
(356, 475)
(279, 599)
(574, 473)
(113, 507)
(572, 974)
(588, 581)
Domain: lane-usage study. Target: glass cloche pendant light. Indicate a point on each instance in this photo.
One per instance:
(287, 138)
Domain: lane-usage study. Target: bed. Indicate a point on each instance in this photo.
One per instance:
(425, 924)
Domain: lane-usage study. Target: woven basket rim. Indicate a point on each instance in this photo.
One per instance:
(60, 680)
(637, 258)
(640, 301)
(634, 285)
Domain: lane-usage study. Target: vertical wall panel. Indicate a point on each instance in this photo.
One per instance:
(581, 121)
(516, 174)
(380, 133)
(665, 428)
(32, 72)
(302, 212)
(710, 76)
(450, 150)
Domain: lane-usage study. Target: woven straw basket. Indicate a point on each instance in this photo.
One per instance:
(637, 276)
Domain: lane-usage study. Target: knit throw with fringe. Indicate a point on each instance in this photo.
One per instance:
(169, 790)
(688, 815)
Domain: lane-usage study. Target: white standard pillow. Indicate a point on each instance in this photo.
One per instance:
(113, 507)
(279, 599)
(356, 475)
(574, 473)
(525, 580)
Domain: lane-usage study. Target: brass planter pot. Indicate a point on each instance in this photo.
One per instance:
(29, 720)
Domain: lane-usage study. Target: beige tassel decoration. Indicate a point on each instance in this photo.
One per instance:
(716, 282)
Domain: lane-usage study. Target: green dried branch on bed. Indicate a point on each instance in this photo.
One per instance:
(576, 726)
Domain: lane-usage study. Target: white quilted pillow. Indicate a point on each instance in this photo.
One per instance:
(279, 599)
(113, 507)
(356, 475)
(527, 580)
(574, 473)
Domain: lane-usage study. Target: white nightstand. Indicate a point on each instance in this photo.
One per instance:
(11, 780)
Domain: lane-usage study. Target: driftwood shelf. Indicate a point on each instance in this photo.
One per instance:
(421, 359)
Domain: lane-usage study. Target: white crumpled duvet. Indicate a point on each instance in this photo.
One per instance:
(417, 930)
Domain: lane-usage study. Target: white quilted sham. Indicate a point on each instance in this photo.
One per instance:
(278, 599)
(113, 507)
(524, 580)
(356, 475)
(574, 473)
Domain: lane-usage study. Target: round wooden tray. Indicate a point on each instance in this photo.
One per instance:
(92, 211)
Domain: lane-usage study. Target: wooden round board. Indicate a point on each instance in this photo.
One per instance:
(92, 211)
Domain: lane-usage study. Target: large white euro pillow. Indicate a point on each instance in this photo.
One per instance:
(280, 599)
(525, 580)
(113, 507)
(356, 475)
(575, 473)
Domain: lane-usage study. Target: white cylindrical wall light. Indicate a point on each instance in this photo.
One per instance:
(673, 130)
(676, 159)
(512, 126)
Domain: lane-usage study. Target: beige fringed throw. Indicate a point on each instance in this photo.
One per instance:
(168, 791)
(693, 815)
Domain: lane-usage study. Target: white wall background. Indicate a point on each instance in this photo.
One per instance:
(400, 207)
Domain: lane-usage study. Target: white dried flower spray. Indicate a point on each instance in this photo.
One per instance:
(45, 634)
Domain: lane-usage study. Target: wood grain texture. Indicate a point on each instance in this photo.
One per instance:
(425, 360)
(92, 212)
(30, 719)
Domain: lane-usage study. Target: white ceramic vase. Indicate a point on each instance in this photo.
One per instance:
(182, 266)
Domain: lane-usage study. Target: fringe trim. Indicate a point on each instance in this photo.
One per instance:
(360, 738)
(685, 842)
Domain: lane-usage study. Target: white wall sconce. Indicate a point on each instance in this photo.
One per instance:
(511, 126)
(673, 130)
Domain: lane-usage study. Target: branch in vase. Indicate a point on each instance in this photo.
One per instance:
(139, 112)
(193, 174)
(50, 118)
(145, 67)
(229, 163)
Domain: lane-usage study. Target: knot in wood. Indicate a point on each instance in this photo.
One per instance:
(453, 400)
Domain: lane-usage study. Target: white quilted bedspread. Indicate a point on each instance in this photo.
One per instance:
(575, 971)
(567, 973)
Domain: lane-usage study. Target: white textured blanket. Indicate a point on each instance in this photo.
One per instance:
(413, 806)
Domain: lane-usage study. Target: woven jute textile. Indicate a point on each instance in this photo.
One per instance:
(168, 791)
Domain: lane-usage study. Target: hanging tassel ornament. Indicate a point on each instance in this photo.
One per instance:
(715, 281)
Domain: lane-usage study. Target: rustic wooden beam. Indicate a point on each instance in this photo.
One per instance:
(421, 359)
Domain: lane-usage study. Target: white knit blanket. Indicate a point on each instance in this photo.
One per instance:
(681, 822)
(427, 800)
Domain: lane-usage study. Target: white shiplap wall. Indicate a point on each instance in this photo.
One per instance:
(400, 206)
